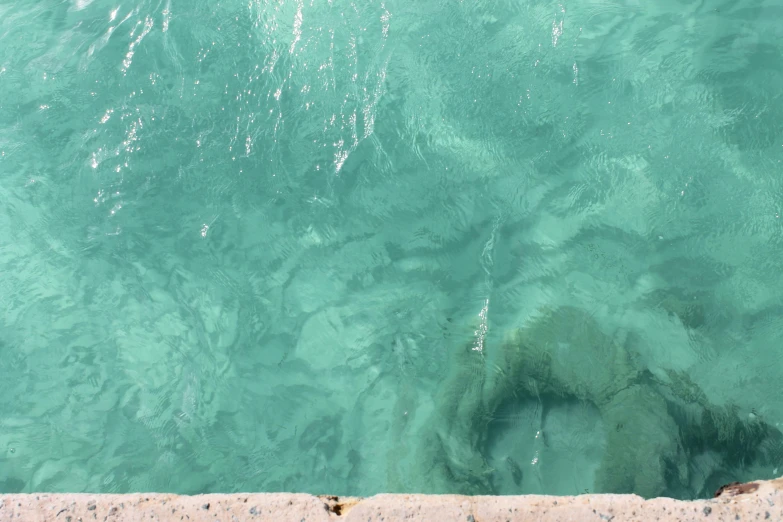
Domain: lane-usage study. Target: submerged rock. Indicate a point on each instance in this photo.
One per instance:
(653, 426)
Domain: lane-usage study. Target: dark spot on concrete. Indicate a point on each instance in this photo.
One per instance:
(735, 488)
(707, 510)
(766, 515)
(253, 511)
(471, 519)
(91, 507)
(332, 504)
(205, 506)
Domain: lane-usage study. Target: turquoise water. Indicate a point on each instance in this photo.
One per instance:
(278, 245)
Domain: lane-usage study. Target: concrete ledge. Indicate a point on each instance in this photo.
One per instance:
(752, 501)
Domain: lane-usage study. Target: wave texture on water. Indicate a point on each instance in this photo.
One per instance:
(383, 246)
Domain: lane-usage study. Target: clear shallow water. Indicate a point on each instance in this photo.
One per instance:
(242, 243)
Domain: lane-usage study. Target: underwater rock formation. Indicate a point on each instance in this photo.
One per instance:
(654, 426)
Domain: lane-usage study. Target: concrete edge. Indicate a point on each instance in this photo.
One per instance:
(761, 500)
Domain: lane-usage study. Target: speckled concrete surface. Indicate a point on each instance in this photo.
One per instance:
(753, 501)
